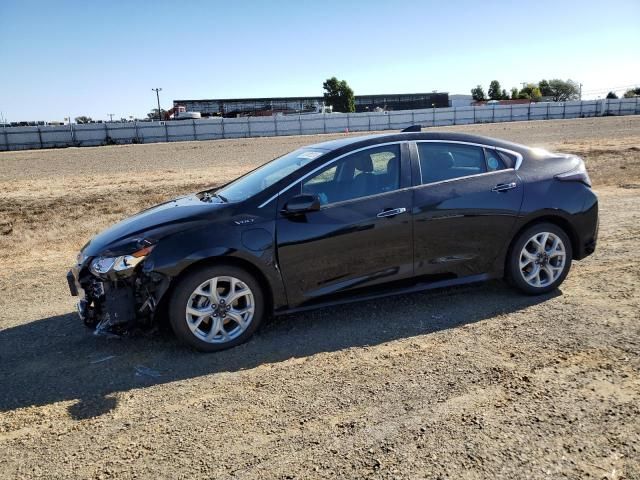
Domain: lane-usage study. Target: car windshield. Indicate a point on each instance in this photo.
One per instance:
(268, 174)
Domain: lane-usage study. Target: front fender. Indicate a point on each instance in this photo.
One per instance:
(175, 254)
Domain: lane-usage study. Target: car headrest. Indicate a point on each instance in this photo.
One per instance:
(392, 166)
(442, 159)
(364, 163)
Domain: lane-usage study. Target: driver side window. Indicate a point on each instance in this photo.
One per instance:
(368, 172)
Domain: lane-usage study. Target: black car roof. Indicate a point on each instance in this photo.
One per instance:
(366, 140)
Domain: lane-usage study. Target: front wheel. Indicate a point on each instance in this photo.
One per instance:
(540, 259)
(217, 307)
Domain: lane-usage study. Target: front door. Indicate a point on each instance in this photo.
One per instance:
(361, 236)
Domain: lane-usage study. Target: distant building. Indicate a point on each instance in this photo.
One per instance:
(515, 101)
(401, 101)
(241, 107)
(458, 100)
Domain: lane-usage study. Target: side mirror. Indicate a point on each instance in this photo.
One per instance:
(302, 204)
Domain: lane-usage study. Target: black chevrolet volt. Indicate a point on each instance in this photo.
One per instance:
(340, 221)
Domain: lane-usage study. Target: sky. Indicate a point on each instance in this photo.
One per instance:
(63, 58)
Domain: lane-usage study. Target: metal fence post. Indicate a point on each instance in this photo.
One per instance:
(433, 120)
(369, 119)
(547, 110)
(6, 137)
(564, 109)
(324, 122)
(635, 110)
(300, 123)
(135, 130)
(454, 115)
(166, 132)
(474, 113)
(348, 123)
(388, 121)
(222, 123)
(413, 117)
(39, 136)
(248, 126)
(619, 106)
(580, 114)
(106, 132)
(195, 135)
(493, 114)
(275, 125)
(511, 112)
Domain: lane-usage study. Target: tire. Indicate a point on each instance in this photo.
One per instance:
(534, 272)
(210, 325)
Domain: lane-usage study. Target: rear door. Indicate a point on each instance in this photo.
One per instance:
(361, 236)
(466, 203)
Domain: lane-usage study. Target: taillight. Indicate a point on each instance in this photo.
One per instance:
(578, 174)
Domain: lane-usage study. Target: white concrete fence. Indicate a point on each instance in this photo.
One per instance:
(19, 138)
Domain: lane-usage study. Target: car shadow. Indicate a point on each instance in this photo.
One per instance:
(56, 359)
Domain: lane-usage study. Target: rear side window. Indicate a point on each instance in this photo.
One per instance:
(494, 160)
(444, 161)
(509, 159)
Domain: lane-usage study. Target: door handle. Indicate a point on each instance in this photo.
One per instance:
(503, 187)
(391, 212)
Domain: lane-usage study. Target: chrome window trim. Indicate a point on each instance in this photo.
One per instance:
(448, 180)
(366, 197)
(459, 142)
(276, 195)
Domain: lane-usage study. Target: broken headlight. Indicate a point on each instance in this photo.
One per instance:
(102, 265)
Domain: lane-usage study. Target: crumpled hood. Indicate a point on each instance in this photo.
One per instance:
(154, 223)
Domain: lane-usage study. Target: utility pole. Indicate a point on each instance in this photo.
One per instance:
(157, 90)
(580, 91)
(110, 115)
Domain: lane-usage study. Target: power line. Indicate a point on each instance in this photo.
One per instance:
(608, 89)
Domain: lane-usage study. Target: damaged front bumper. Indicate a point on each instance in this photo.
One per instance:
(116, 305)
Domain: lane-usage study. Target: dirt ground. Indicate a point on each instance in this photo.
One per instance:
(471, 382)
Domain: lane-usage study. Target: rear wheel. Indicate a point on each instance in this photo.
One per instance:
(540, 259)
(217, 307)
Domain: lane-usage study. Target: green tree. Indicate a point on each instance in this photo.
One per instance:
(514, 93)
(339, 95)
(536, 95)
(561, 90)
(494, 91)
(478, 94)
(153, 114)
(545, 88)
(633, 92)
(530, 91)
(612, 96)
(504, 95)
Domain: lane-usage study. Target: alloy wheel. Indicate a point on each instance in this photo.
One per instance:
(220, 309)
(542, 259)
